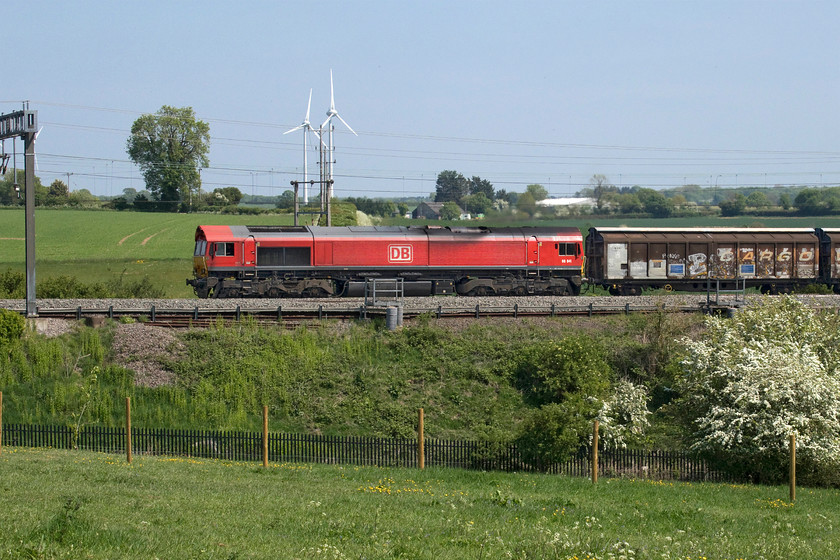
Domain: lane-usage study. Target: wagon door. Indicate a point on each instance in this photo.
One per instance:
(746, 260)
(638, 260)
(725, 261)
(698, 260)
(764, 262)
(616, 260)
(806, 260)
(657, 255)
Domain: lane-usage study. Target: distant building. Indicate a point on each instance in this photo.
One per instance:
(568, 201)
(431, 211)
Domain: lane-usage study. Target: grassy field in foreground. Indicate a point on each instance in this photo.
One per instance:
(60, 504)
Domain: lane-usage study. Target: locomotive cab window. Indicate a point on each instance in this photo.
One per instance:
(200, 248)
(567, 249)
(223, 249)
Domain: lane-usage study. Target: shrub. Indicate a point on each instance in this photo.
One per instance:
(754, 380)
(553, 373)
(551, 434)
(11, 325)
(12, 284)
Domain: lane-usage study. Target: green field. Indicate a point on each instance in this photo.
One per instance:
(65, 504)
(98, 245)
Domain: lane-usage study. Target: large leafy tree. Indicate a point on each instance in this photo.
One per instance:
(8, 196)
(170, 147)
(752, 381)
(479, 185)
(451, 186)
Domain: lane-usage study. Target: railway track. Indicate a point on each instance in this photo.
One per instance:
(201, 313)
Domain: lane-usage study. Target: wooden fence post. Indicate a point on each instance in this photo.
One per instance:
(421, 457)
(128, 429)
(792, 467)
(265, 436)
(595, 452)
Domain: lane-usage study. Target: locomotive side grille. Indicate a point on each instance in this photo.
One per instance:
(283, 256)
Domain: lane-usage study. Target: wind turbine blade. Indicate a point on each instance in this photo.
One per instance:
(329, 118)
(298, 127)
(309, 105)
(345, 123)
(332, 94)
(35, 153)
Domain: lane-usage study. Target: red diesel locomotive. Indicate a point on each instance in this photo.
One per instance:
(306, 261)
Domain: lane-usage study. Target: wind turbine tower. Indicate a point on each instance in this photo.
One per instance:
(328, 123)
(306, 126)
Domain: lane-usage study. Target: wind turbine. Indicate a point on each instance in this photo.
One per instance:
(330, 114)
(306, 125)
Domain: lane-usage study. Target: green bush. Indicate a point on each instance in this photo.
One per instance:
(552, 434)
(11, 325)
(12, 285)
(553, 373)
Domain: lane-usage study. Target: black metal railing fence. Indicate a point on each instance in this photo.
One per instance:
(355, 450)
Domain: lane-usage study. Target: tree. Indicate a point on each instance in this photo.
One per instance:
(734, 205)
(526, 204)
(758, 199)
(479, 185)
(8, 196)
(477, 203)
(286, 200)
(655, 203)
(450, 211)
(601, 186)
(784, 201)
(227, 196)
(753, 380)
(539, 192)
(170, 147)
(450, 186)
(58, 193)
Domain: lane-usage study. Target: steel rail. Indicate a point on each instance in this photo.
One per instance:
(198, 316)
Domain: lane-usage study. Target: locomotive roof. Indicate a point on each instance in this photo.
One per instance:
(378, 231)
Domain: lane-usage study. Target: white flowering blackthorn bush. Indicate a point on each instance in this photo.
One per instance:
(754, 379)
(624, 416)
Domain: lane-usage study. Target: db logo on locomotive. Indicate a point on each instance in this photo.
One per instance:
(400, 254)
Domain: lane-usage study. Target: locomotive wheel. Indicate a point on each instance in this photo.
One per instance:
(315, 293)
(274, 292)
(481, 291)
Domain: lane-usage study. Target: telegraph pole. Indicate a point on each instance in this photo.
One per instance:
(25, 124)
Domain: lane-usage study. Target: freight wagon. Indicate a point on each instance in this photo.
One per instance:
(627, 260)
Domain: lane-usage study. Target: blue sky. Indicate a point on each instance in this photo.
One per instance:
(651, 93)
